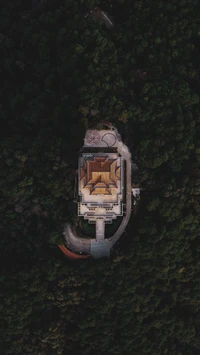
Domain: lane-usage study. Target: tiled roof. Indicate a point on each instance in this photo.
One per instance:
(100, 175)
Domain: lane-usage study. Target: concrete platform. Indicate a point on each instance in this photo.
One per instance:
(100, 249)
(102, 138)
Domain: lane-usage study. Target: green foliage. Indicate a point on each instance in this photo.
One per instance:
(143, 76)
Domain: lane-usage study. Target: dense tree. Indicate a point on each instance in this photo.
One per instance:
(62, 72)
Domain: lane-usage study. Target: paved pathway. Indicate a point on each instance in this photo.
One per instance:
(76, 243)
(100, 249)
(127, 157)
(100, 230)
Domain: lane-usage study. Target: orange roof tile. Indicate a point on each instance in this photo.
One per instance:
(99, 174)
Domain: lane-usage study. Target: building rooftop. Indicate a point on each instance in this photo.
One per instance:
(100, 177)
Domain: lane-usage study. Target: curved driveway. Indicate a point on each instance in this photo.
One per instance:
(76, 243)
(127, 157)
(72, 255)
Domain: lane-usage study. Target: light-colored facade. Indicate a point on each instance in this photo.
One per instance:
(101, 186)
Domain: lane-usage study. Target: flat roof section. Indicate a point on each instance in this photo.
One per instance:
(103, 138)
(115, 210)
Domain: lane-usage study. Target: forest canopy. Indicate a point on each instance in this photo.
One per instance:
(63, 72)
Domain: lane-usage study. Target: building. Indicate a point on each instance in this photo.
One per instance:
(100, 177)
(101, 180)
(103, 190)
